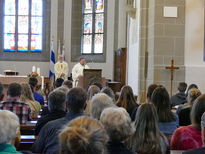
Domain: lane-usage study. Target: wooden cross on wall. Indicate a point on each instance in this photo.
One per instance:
(172, 68)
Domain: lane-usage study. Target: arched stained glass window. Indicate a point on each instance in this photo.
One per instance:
(23, 22)
(93, 27)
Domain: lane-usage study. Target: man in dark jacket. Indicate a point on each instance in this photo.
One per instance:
(56, 108)
(180, 97)
(47, 141)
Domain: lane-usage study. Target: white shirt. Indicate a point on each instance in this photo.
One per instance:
(78, 70)
(60, 68)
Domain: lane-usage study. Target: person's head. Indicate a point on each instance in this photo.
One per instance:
(98, 84)
(98, 103)
(203, 128)
(76, 100)
(126, 99)
(83, 135)
(191, 86)
(9, 126)
(68, 84)
(161, 100)
(82, 61)
(26, 93)
(62, 88)
(147, 134)
(33, 81)
(14, 90)
(1, 91)
(192, 95)
(182, 87)
(197, 110)
(56, 100)
(61, 58)
(117, 123)
(59, 82)
(92, 90)
(150, 90)
(109, 92)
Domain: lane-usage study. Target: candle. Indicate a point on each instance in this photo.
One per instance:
(38, 70)
(34, 69)
(42, 82)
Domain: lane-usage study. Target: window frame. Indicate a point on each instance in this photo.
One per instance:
(28, 55)
(93, 33)
(76, 35)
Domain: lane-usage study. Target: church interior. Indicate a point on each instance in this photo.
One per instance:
(131, 42)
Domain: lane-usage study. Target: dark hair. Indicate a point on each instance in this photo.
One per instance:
(126, 99)
(97, 84)
(197, 110)
(150, 90)
(191, 86)
(56, 100)
(76, 99)
(1, 89)
(68, 84)
(59, 82)
(81, 58)
(161, 100)
(33, 81)
(109, 92)
(14, 89)
(182, 87)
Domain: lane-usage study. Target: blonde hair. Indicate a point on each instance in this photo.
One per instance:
(83, 135)
(192, 95)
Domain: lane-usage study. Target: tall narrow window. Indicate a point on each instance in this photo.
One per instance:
(93, 27)
(23, 21)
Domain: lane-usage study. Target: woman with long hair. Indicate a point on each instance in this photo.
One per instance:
(27, 97)
(147, 138)
(168, 121)
(126, 99)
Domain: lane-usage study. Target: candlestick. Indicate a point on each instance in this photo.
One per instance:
(34, 69)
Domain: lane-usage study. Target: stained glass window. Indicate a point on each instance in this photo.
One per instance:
(93, 27)
(23, 20)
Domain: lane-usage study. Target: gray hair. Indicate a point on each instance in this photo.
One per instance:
(56, 100)
(1, 89)
(9, 126)
(98, 103)
(117, 123)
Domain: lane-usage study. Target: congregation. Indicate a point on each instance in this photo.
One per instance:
(98, 121)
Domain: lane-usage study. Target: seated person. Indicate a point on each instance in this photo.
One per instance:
(83, 135)
(98, 103)
(199, 150)
(58, 82)
(168, 121)
(9, 127)
(189, 137)
(47, 141)
(146, 123)
(109, 92)
(180, 97)
(27, 98)
(13, 103)
(184, 110)
(119, 127)
(56, 107)
(33, 82)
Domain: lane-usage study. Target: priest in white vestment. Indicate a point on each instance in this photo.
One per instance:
(77, 71)
(61, 69)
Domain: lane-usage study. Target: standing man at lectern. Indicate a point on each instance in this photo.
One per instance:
(77, 71)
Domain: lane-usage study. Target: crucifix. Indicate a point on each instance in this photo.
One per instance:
(172, 68)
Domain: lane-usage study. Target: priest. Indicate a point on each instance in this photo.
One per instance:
(61, 68)
(77, 71)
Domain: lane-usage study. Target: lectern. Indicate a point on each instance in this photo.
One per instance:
(90, 76)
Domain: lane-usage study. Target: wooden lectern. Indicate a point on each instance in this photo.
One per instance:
(90, 76)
